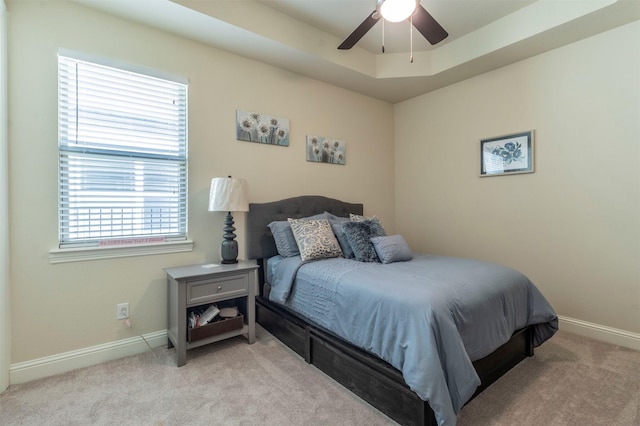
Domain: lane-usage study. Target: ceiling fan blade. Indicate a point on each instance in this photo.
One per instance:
(359, 32)
(428, 26)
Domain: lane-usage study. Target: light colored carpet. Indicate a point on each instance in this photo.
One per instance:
(571, 381)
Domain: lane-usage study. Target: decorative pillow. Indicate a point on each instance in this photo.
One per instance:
(359, 235)
(336, 219)
(360, 218)
(391, 249)
(347, 252)
(315, 239)
(283, 236)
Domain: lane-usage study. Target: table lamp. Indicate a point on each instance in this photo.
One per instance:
(228, 195)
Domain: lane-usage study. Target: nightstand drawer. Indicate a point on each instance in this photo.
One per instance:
(217, 288)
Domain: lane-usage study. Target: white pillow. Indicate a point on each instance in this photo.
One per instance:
(360, 218)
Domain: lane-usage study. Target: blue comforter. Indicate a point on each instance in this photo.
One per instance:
(429, 317)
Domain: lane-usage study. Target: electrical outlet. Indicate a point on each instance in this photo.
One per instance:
(122, 310)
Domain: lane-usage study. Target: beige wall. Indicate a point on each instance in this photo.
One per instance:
(574, 225)
(58, 308)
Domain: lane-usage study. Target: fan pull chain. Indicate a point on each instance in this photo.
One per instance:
(382, 35)
(411, 38)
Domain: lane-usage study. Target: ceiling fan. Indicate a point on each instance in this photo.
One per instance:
(396, 11)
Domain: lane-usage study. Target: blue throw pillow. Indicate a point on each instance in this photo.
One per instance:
(335, 219)
(391, 249)
(283, 236)
(359, 235)
(347, 252)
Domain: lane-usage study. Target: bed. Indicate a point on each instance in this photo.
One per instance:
(414, 381)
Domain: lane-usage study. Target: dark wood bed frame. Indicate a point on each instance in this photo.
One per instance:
(364, 374)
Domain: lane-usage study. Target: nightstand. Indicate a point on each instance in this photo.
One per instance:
(199, 285)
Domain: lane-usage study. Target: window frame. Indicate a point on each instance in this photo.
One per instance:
(134, 246)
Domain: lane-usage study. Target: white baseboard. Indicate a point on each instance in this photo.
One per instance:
(67, 361)
(600, 332)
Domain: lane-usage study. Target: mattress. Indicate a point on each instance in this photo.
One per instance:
(429, 317)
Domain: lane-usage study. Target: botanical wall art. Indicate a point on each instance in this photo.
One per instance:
(325, 150)
(262, 128)
(508, 154)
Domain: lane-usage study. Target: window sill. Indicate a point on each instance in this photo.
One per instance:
(97, 253)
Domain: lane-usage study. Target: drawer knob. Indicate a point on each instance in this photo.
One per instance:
(219, 287)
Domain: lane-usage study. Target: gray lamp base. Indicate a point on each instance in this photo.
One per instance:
(229, 249)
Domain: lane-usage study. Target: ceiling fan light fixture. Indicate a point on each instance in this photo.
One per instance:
(420, 20)
(397, 10)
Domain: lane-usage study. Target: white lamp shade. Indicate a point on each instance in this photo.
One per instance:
(397, 10)
(228, 195)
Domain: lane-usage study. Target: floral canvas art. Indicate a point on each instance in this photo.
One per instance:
(325, 150)
(507, 154)
(262, 128)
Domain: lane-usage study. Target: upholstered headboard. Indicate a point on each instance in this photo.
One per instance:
(260, 243)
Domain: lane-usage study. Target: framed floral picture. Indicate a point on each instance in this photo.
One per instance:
(262, 128)
(325, 150)
(507, 155)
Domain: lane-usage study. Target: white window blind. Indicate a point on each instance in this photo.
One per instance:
(122, 139)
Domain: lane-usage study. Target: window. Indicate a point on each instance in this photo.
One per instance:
(122, 139)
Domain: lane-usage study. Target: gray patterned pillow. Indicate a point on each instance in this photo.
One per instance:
(283, 236)
(360, 218)
(359, 235)
(392, 249)
(315, 239)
